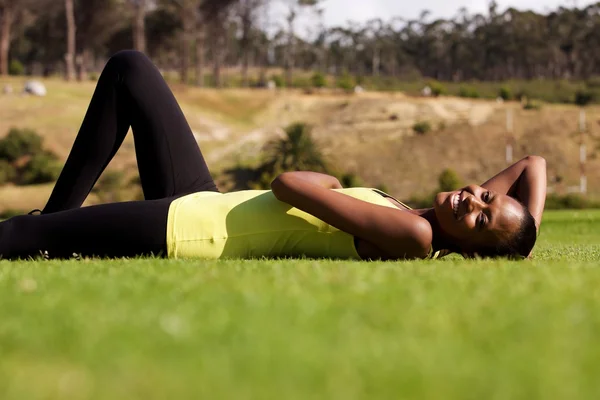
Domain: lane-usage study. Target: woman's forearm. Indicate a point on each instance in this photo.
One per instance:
(525, 180)
(323, 180)
(531, 187)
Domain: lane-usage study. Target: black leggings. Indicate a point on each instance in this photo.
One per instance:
(130, 93)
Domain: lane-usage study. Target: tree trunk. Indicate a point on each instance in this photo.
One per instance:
(219, 31)
(289, 50)
(376, 61)
(139, 26)
(219, 42)
(245, 67)
(186, 43)
(245, 41)
(200, 51)
(82, 62)
(71, 29)
(6, 19)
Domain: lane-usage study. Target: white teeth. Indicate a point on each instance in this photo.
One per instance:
(455, 204)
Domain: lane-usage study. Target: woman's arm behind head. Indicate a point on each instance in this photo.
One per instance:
(525, 181)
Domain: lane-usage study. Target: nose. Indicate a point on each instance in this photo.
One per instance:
(473, 203)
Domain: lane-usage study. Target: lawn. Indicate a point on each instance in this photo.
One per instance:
(308, 329)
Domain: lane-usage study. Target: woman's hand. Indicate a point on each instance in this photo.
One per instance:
(525, 181)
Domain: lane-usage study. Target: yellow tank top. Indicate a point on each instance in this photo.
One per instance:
(253, 223)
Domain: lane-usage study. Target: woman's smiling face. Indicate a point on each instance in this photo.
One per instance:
(474, 217)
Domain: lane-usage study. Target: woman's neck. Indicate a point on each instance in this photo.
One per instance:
(440, 241)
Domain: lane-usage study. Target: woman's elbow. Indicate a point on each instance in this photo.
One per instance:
(536, 160)
(279, 186)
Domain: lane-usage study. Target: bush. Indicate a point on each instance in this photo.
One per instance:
(109, 186)
(422, 127)
(16, 68)
(278, 80)
(583, 97)
(318, 80)
(505, 93)
(383, 187)
(574, 201)
(43, 167)
(345, 82)
(350, 179)
(301, 82)
(437, 89)
(19, 143)
(423, 201)
(7, 172)
(532, 105)
(470, 93)
(593, 82)
(448, 180)
(9, 213)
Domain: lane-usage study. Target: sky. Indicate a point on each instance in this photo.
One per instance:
(338, 12)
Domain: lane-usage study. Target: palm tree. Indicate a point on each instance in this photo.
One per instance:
(296, 151)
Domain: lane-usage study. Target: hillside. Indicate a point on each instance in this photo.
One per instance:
(369, 134)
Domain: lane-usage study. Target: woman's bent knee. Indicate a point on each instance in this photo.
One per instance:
(126, 60)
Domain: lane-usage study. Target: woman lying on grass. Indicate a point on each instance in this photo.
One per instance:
(305, 214)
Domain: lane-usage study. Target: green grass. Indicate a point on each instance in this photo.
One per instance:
(300, 329)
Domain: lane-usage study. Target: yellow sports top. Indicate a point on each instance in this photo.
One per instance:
(253, 223)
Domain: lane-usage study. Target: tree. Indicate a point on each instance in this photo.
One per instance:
(10, 10)
(139, 8)
(294, 7)
(71, 31)
(247, 11)
(216, 11)
(297, 150)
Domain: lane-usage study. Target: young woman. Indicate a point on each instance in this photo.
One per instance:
(306, 213)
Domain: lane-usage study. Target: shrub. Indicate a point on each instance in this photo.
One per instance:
(109, 186)
(350, 179)
(470, 93)
(383, 187)
(318, 80)
(422, 201)
(593, 82)
(583, 97)
(7, 172)
(9, 213)
(422, 127)
(505, 93)
(345, 82)
(301, 82)
(437, 89)
(574, 201)
(448, 180)
(43, 167)
(279, 81)
(19, 143)
(16, 68)
(532, 105)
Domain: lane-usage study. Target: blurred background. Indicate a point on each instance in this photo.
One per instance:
(381, 93)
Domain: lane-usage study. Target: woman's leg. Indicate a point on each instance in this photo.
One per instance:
(126, 229)
(132, 92)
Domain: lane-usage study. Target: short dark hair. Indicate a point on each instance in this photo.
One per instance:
(520, 243)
